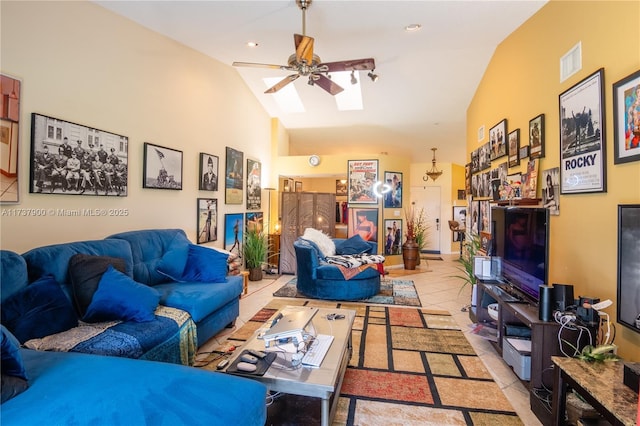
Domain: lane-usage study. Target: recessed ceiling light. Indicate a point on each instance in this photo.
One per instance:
(252, 44)
(412, 27)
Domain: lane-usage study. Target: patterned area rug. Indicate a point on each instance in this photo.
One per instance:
(392, 292)
(410, 366)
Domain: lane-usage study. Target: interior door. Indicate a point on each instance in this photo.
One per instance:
(428, 197)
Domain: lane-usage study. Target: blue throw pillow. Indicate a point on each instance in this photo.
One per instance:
(11, 360)
(205, 265)
(119, 297)
(38, 310)
(14, 376)
(354, 245)
(174, 259)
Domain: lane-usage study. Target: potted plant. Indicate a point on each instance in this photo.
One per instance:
(415, 238)
(470, 248)
(255, 253)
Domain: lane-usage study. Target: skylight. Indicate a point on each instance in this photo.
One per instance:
(351, 98)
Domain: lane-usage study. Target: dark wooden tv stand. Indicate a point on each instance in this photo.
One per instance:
(544, 341)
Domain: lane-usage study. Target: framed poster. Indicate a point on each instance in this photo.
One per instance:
(536, 137)
(254, 221)
(582, 137)
(93, 163)
(628, 312)
(298, 186)
(363, 174)
(209, 165)
(233, 233)
(341, 187)
(460, 216)
(467, 179)
(363, 222)
(207, 220)
(162, 167)
(514, 148)
(393, 196)
(10, 138)
(626, 119)
(498, 139)
(485, 216)
(551, 190)
(234, 179)
(254, 185)
(393, 236)
(484, 156)
(473, 221)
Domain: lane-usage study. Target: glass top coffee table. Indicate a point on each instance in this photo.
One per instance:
(321, 382)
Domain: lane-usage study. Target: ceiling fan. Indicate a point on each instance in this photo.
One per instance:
(305, 63)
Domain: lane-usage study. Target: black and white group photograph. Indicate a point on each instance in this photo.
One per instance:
(69, 158)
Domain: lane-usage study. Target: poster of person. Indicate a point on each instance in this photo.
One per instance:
(392, 236)
(363, 222)
(582, 144)
(234, 179)
(207, 220)
(10, 137)
(363, 174)
(393, 189)
(234, 233)
(626, 119)
(255, 221)
(254, 188)
(208, 172)
(551, 190)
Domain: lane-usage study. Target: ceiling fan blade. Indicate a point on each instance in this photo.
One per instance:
(349, 65)
(255, 65)
(304, 48)
(279, 85)
(326, 83)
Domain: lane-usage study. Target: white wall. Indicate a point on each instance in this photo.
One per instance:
(81, 63)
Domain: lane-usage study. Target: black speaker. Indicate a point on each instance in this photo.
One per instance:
(545, 303)
(562, 296)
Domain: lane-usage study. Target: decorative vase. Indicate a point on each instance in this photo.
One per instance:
(410, 254)
(255, 274)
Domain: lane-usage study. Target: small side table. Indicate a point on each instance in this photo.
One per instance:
(245, 282)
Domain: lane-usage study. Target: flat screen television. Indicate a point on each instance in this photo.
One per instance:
(520, 236)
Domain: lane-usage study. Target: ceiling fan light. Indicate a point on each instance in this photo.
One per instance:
(310, 82)
(372, 76)
(354, 80)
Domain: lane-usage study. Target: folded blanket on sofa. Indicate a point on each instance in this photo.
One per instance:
(351, 265)
(171, 337)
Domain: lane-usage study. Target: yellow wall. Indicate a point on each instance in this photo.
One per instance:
(82, 63)
(522, 81)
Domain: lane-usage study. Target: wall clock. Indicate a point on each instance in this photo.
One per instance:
(314, 160)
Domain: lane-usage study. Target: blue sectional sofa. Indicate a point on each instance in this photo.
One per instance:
(320, 279)
(91, 388)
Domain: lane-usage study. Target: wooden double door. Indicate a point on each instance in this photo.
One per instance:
(302, 210)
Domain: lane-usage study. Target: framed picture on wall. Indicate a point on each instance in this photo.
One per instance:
(208, 172)
(536, 137)
(524, 152)
(393, 194)
(234, 179)
(392, 236)
(460, 216)
(362, 175)
(254, 185)
(10, 138)
(341, 187)
(551, 190)
(514, 148)
(207, 220)
(254, 221)
(628, 273)
(363, 222)
(233, 232)
(626, 119)
(498, 140)
(73, 159)
(298, 186)
(583, 165)
(162, 167)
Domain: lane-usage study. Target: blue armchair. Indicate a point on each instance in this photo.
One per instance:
(321, 280)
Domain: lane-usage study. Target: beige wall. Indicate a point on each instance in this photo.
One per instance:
(522, 81)
(82, 63)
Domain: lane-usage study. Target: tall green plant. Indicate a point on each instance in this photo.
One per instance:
(470, 248)
(255, 248)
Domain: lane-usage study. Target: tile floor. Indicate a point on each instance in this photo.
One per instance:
(437, 288)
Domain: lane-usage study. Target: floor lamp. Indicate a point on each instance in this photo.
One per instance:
(269, 230)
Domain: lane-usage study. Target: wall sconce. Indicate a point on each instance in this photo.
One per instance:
(434, 173)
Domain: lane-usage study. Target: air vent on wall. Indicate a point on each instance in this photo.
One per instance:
(571, 62)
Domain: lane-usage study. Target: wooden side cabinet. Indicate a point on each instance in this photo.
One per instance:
(273, 259)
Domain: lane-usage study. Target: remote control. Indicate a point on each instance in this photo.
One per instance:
(257, 354)
(222, 364)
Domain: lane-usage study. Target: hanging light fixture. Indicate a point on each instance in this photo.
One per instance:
(434, 173)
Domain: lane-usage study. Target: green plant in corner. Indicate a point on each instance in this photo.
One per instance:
(255, 252)
(598, 353)
(470, 248)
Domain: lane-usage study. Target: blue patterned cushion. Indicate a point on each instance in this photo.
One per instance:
(119, 297)
(38, 310)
